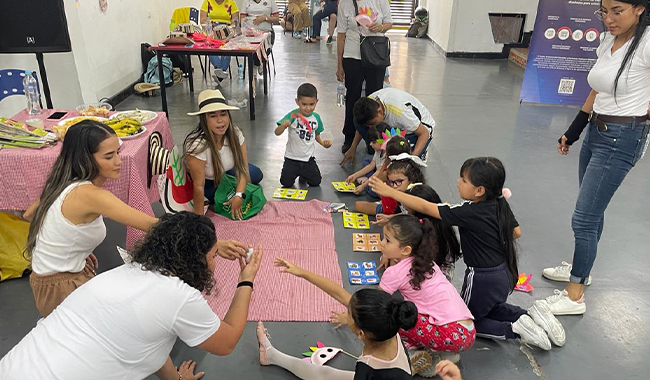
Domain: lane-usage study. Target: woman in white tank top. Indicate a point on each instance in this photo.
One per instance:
(614, 115)
(67, 221)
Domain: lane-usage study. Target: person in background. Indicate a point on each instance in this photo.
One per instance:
(67, 221)
(262, 14)
(220, 12)
(348, 50)
(301, 17)
(214, 148)
(329, 9)
(124, 323)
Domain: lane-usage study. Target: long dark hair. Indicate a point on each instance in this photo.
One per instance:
(177, 246)
(381, 315)
(75, 163)
(419, 235)
(201, 139)
(445, 236)
(490, 173)
(644, 21)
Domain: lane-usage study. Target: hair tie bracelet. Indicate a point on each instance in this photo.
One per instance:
(245, 283)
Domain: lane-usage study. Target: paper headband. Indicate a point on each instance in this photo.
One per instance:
(388, 134)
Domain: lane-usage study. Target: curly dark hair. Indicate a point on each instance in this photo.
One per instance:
(177, 246)
(419, 234)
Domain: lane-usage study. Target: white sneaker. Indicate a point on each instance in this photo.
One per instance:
(561, 273)
(541, 314)
(531, 333)
(561, 304)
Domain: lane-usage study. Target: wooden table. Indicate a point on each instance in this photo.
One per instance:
(201, 48)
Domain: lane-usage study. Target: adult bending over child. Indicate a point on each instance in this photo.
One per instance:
(214, 148)
(398, 109)
(124, 323)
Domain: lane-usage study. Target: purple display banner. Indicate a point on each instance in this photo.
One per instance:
(562, 51)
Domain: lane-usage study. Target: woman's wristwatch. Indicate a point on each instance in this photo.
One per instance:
(240, 195)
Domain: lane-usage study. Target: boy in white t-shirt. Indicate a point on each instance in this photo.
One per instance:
(305, 127)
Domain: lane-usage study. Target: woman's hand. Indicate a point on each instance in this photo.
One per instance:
(342, 319)
(259, 19)
(249, 271)
(235, 207)
(288, 267)
(380, 187)
(340, 74)
(92, 261)
(448, 370)
(376, 28)
(562, 146)
(231, 249)
(186, 371)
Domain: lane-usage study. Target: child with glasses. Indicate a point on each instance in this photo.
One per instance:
(403, 171)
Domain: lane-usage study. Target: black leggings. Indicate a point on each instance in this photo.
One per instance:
(355, 75)
(330, 8)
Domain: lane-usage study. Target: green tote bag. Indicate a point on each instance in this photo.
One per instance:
(253, 203)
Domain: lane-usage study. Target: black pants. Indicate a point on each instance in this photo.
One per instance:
(330, 8)
(485, 291)
(293, 169)
(355, 75)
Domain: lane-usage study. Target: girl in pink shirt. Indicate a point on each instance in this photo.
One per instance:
(444, 321)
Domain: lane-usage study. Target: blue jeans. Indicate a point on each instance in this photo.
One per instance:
(607, 155)
(220, 62)
(412, 138)
(210, 187)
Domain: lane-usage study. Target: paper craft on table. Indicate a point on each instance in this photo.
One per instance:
(344, 187)
(366, 242)
(299, 194)
(363, 273)
(355, 220)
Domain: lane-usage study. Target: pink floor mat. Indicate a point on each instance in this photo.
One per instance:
(300, 232)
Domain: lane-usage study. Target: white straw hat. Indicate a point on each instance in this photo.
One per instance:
(211, 101)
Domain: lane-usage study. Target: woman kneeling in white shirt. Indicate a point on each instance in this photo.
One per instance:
(123, 323)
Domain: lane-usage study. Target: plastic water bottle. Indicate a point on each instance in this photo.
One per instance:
(30, 87)
(240, 72)
(340, 95)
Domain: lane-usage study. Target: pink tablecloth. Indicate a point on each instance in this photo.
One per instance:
(23, 171)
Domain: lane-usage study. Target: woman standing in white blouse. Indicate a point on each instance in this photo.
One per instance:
(348, 51)
(614, 115)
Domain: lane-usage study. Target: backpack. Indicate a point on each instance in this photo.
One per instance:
(151, 75)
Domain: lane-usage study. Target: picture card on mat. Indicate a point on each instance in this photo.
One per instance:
(299, 194)
(344, 187)
(363, 273)
(355, 220)
(366, 242)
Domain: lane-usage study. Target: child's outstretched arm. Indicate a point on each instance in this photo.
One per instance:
(409, 201)
(328, 286)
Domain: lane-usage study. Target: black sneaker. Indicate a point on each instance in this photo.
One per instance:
(329, 40)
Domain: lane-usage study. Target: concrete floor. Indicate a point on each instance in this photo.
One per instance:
(477, 111)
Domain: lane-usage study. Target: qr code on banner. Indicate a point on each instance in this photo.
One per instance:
(566, 86)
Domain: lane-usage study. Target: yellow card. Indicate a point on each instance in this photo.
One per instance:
(355, 220)
(299, 194)
(344, 187)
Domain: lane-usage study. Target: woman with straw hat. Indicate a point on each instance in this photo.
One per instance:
(214, 148)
